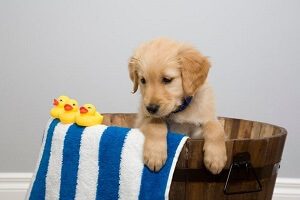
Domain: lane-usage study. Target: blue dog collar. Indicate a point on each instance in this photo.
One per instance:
(185, 103)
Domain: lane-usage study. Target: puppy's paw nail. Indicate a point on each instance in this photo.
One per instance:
(155, 158)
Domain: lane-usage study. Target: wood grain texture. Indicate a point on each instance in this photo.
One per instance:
(264, 142)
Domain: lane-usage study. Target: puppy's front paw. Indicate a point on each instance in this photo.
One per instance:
(214, 157)
(155, 154)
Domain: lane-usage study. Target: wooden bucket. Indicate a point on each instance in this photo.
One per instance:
(254, 151)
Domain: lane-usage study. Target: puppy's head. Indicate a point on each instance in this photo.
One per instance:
(166, 72)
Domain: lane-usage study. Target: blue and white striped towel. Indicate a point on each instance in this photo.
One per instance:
(99, 162)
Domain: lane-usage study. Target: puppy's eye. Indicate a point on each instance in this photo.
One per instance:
(167, 80)
(143, 80)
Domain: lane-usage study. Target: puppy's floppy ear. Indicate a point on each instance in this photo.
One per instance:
(132, 67)
(194, 69)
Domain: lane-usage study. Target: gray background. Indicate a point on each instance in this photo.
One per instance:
(81, 48)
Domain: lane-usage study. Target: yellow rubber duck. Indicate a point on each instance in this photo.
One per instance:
(70, 112)
(88, 116)
(59, 104)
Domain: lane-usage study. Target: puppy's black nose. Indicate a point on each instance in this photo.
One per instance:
(152, 108)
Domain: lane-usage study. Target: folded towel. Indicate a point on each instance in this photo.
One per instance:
(99, 162)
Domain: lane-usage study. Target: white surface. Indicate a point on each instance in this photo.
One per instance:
(86, 187)
(81, 48)
(131, 165)
(55, 162)
(13, 186)
(287, 189)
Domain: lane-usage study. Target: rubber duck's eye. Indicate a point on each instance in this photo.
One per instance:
(60, 100)
(167, 80)
(74, 104)
(143, 81)
(89, 107)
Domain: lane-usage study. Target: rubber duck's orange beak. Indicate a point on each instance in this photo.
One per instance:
(55, 102)
(68, 107)
(83, 110)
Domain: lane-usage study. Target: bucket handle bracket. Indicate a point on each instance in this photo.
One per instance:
(242, 161)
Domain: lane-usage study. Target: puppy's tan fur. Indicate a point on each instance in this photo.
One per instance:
(152, 64)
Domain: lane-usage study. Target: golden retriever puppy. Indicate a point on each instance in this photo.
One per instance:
(175, 95)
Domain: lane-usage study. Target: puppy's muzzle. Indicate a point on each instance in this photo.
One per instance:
(152, 108)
